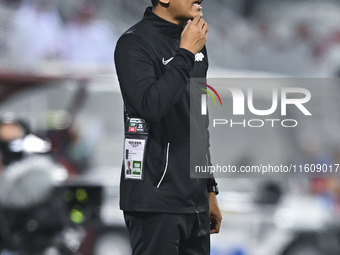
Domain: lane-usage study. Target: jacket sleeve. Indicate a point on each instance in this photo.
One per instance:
(150, 97)
(210, 181)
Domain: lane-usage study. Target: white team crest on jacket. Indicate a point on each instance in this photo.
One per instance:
(199, 56)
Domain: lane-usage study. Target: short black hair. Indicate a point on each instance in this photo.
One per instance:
(154, 2)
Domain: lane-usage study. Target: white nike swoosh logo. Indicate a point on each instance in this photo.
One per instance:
(165, 62)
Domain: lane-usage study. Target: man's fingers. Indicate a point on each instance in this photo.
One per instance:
(196, 19)
(215, 226)
(205, 27)
(201, 23)
(213, 231)
(187, 26)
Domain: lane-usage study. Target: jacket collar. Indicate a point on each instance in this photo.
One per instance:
(163, 26)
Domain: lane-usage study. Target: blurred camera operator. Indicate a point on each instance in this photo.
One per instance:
(16, 140)
(11, 130)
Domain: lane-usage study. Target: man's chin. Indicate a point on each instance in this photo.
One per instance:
(196, 13)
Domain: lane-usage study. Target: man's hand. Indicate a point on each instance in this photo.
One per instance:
(194, 35)
(215, 214)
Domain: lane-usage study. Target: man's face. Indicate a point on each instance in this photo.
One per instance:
(128, 164)
(10, 132)
(183, 10)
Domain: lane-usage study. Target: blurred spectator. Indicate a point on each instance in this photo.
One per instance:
(35, 32)
(87, 39)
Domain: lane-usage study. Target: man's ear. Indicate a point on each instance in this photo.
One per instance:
(164, 2)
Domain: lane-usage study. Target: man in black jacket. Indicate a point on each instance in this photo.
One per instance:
(166, 211)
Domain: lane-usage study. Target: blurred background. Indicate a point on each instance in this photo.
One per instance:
(61, 125)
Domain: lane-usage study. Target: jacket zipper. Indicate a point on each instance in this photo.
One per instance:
(166, 165)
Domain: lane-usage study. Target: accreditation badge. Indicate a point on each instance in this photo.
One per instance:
(136, 136)
(134, 154)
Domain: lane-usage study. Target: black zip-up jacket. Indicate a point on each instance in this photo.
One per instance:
(154, 76)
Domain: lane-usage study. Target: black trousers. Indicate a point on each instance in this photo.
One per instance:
(168, 234)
